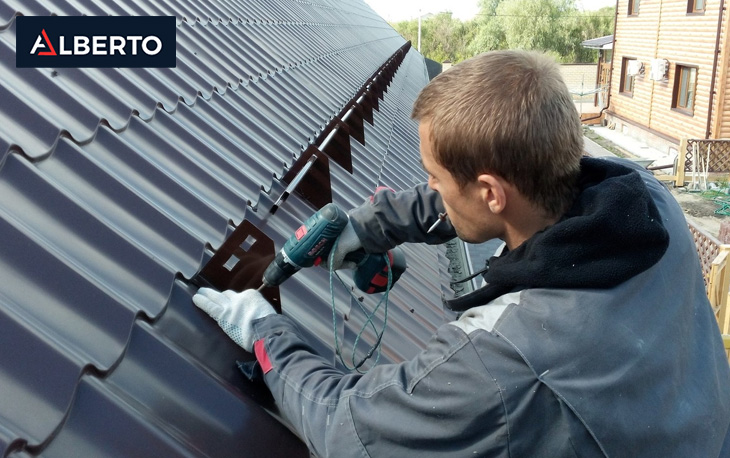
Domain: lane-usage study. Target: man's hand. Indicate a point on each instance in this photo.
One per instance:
(347, 242)
(234, 312)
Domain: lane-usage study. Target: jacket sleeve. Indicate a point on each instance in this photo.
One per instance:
(439, 401)
(390, 218)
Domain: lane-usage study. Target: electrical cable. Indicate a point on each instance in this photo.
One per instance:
(478, 272)
(369, 321)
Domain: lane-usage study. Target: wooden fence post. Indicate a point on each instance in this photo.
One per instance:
(681, 159)
(718, 288)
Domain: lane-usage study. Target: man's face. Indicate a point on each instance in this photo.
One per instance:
(465, 207)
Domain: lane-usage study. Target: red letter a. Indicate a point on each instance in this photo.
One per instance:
(52, 51)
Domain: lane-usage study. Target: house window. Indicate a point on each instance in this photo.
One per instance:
(685, 80)
(627, 79)
(696, 6)
(634, 7)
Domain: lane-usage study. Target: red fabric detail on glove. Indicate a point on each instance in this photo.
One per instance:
(380, 188)
(261, 356)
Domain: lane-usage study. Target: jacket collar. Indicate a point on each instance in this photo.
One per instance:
(612, 232)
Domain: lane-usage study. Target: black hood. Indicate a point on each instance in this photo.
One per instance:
(612, 232)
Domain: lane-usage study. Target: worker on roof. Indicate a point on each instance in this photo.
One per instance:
(592, 336)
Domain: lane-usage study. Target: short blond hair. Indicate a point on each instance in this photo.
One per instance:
(507, 113)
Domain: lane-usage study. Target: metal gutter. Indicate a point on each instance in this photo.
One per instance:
(714, 68)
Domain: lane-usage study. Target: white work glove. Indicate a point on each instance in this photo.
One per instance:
(347, 242)
(234, 312)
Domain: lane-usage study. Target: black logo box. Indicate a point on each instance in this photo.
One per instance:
(29, 28)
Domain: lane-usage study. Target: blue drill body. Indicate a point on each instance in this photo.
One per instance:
(312, 243)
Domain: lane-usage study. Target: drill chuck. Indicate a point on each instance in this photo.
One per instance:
(279, 270)
(312, 243)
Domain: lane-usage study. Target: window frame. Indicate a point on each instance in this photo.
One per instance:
(692, 6)
(625, 75)
(690, 88)
(633, 9)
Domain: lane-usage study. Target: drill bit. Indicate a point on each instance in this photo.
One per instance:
(442, 216)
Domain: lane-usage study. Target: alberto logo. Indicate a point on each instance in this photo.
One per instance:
(103, 41)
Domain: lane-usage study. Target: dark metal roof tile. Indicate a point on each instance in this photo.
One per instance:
(211, 53)
(108, 200)
(103, 236)
(249, 123)
(28, 8)
(148, 381)
(161, 143)
(20, 124)
(166, 85)
(127, 164)
(219, 126)
(188, 329)
(38, 90)
(85, 321)
(274, 113)
(7, 14)
(257, 53)
(105, 93)
(192, 11)
(90, 246)
(38, 379)
(102, 425)
(285, 99)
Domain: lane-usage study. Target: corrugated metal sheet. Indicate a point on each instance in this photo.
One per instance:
(118, 185)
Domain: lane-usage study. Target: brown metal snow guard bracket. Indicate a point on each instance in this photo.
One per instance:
(334, 140)
(241, 260)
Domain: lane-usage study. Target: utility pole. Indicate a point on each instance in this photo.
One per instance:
(419, 30)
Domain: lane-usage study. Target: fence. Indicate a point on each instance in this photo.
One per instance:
(708, 155)
(714, 259)
(698, 157)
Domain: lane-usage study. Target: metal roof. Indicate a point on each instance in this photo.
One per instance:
(118, 186)
(599, 43)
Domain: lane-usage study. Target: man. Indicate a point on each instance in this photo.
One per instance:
(592, 336)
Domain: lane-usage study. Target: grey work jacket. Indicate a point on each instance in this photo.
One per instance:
(636, 369)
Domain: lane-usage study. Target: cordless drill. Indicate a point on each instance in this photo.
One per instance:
(312, 243)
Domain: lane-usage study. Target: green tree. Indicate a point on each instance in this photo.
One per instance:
(587, 25)
(448, 38)
(540, 25)
(552, 26)
(489, 34)
(408, 30)
(442, 36)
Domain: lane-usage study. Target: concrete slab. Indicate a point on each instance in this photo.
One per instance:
(593, 149)
(634, 146)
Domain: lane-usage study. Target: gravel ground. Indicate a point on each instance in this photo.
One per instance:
(700, 209)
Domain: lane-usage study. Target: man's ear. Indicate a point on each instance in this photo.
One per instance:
(493, 192)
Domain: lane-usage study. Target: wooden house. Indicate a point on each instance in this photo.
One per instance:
(669, 75)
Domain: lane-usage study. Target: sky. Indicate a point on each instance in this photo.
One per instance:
(401, 10)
